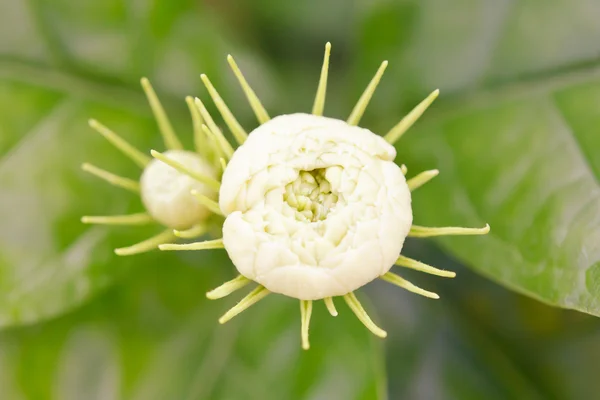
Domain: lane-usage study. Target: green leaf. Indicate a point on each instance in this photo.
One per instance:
(155, 336)
(524, 163)
(480, 341)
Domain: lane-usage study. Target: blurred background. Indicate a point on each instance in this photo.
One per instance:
(514, 134)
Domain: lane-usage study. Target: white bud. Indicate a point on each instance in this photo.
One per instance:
(166, 194)
(315, 207)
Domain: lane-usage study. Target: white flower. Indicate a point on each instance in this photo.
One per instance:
(315, 207)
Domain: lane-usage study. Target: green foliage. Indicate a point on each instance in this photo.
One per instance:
(525, 165)
(154, 336)
(514, 135)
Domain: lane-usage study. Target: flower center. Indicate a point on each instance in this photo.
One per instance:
(310, 195)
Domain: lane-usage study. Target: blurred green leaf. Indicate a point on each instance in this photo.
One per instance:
(154, 336)
(49, 261)
(465, 45)
(523, 161)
